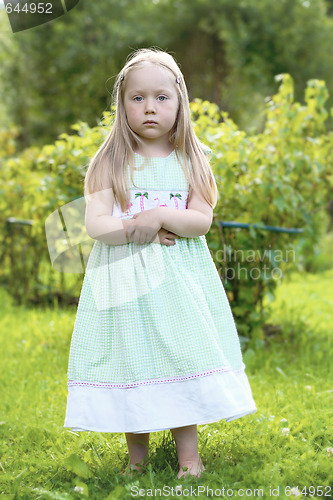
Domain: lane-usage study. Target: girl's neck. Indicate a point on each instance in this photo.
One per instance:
(155, 151)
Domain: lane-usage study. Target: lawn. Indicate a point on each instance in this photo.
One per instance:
(286, 444)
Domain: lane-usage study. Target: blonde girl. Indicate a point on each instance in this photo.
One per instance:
(154, 345)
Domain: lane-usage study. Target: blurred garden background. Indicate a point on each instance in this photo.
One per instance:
(260, 81)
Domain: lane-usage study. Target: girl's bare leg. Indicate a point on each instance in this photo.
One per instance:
(138, 447)
(186, 439)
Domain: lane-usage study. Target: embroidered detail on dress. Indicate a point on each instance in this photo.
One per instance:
(159, 204)
(175, 196)
(142, 207)
(127, 212)
(150, 382)
(151, 198)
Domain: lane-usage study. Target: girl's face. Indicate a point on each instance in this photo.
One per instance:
(151, 103)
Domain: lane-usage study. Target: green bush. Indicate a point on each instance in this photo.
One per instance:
(280, 177)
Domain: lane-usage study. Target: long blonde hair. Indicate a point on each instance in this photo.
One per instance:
(116, 153)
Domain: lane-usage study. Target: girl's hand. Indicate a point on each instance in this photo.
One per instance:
(164, 237)
(145, 227)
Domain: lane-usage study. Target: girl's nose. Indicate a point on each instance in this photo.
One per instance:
(150, 106)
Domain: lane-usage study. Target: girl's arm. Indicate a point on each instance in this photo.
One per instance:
(110, 230)
(102, 226)
(190, 223)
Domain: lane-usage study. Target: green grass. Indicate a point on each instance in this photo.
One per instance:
(291, 380)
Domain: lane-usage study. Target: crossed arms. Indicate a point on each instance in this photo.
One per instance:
(144, 226)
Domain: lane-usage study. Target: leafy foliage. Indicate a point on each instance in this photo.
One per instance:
(280, 177)
(229, 53)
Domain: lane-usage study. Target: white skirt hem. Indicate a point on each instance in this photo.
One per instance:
(159, 407)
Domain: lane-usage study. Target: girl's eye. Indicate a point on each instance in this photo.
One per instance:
(162, 97)
(137, 98)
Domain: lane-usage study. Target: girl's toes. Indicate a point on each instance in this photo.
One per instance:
(193, 468)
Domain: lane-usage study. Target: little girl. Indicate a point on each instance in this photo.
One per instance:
(154, 345)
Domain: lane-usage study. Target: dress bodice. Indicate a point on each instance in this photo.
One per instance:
(158, 182)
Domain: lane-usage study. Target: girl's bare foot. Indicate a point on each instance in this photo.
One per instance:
(132, 468)
(138, 446)
(194, 468)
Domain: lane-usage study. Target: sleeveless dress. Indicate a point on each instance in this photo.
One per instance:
(154, 345)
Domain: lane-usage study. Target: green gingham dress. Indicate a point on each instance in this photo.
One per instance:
(154, 345)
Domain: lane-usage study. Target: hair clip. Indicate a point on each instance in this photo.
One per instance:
(178, 79)
(122, 77)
